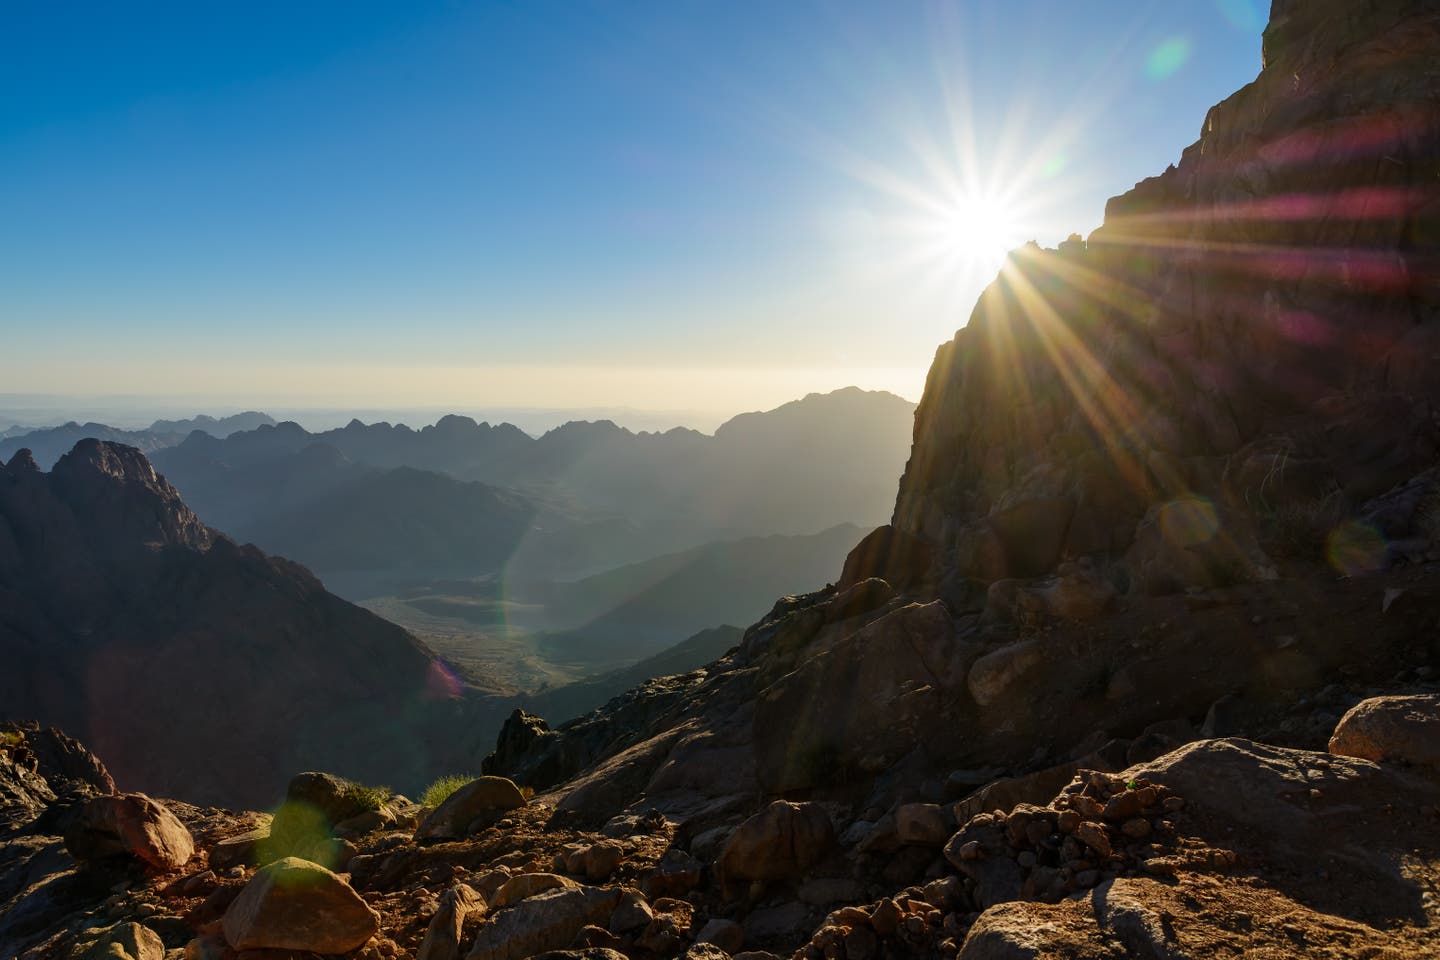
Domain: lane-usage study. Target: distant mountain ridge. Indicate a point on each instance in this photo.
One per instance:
(804, 467)
(49, 444)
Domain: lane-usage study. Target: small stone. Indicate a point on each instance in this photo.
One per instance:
(1094, 837)
(886, 918)
(725, 934)
(603, 858)
(1137, 828)
(633, 913)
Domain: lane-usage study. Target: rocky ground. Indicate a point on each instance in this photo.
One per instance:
(1221, 847)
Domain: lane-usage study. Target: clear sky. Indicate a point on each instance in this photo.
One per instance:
(674, 205)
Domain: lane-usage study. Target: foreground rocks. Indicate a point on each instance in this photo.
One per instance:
(293, 904)
(130, 824)
(470, 807)
(1398, 729)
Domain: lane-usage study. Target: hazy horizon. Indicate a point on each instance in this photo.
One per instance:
(43, 411)
(571, 206)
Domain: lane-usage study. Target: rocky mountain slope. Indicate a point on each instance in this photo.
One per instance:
(1222, 847)
(200, 668)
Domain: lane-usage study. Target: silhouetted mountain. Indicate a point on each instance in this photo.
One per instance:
(48, 444)
(336, 516)
(216, 427)
(804, 467)
(51, 443)
(204, 669)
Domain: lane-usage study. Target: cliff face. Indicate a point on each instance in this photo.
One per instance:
(199, 668)
(1135, 476)
(1259, 323)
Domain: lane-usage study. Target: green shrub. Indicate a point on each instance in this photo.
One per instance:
(439, 791)
(367, 798)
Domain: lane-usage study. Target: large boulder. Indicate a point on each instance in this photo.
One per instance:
(546, 922)
(130, 824)
(1388, 729)
(779, 842)
(296, 905)
(334, 797)
(128, 941)
(526, 885)
(481, 798)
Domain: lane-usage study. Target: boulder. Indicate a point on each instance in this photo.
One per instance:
(633, 913)
(128, 941)
(332, 796)
(527, 885)
(481, 798)
(728, 935)
(293, 904)
(1390, 729)
(130, 824)
(994, 676)
(549, 921)
(925, 824)
(603, 858)
(442, 936)
(779, 842)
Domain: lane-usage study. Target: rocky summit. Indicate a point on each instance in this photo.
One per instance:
(1143, 666)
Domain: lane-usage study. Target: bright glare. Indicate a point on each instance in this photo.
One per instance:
(980, 230)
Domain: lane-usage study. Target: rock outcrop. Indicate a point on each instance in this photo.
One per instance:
(1246, 333)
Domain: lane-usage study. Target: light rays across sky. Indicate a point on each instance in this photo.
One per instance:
(712, 206)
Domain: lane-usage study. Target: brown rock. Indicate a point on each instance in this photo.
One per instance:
(781, 841)
(1093, 836)
(1390, 729)
(296, 905)
(527, 885)
(886, 917)
(548, 921)
(725, 934)
(483, 797)
(442, 936)
(603, 858)
(632, 913)
(923, 824)
(132, 824)
(128, 941)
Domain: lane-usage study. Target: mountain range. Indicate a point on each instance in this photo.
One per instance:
(48, 444)
(801, 468)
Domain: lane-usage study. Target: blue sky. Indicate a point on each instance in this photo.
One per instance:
(680, 205)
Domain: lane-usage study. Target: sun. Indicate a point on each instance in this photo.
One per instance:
(979, 230)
